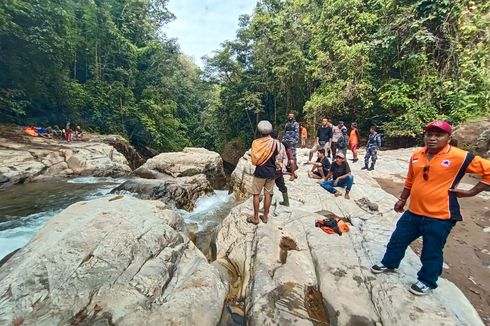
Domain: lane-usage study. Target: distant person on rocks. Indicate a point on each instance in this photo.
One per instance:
(321, 166)
(78, 133)
(283, 158)
(291, 136)
(68, 131)
(354, 141)
(264, 151)
(323, 138)
(57, 132)
(336, 134)
(434, 172)
(291, 133)
(343, 142)
(291, 168)
(372, 147)
(338, 176)
(304, 135)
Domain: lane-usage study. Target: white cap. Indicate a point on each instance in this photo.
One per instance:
(264, 127)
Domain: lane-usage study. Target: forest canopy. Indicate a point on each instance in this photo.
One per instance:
(107, 65)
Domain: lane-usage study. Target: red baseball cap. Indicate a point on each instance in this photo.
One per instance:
(441, 125)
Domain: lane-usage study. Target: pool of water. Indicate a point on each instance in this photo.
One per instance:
(24, 209)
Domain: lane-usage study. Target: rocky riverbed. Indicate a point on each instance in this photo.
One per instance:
(121, 260)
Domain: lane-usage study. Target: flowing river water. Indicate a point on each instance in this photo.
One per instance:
(24, 209)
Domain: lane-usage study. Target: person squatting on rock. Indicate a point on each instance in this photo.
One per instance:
(434, 172)
(264, 151)
(372, 147)
(291, 137)
(337, 132)
(354, 141)
(323, 138)
(338, 176)
(321, 166)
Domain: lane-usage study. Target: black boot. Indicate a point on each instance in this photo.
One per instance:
(285, 199)
(365, 167)
(371, 167)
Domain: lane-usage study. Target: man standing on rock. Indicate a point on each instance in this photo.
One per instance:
(434, 172)
(291, 137)
(264, 151)
(372, 147)
(337, 132)
(323, 138)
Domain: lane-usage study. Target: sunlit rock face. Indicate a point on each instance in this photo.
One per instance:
(191, 161)
(40, 159)
(116, 261)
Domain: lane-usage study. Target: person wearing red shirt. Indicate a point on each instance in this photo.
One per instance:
(433, 176)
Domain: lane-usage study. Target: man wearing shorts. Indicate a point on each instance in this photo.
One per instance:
(265, 171)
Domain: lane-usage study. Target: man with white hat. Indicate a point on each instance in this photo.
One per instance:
(338, 176)
(434, 172)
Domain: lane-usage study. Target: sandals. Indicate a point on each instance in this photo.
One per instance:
(264, 220)
(251, 220)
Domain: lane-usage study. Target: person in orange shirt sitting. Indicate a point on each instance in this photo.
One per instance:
(434, 173)
(354, 141)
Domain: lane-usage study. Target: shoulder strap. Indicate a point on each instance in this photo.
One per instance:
(454, 208)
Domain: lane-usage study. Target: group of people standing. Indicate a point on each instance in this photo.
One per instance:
(431, 183)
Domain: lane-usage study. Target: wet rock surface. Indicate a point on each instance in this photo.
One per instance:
(124, 261)
(280, 263)
(176, 192)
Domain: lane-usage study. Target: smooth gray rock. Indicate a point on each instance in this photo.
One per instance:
(111, 261)
(190, 161)
(177, 192)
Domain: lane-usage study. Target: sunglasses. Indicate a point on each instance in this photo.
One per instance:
(426, 172)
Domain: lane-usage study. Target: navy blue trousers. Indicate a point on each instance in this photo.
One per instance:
(434, 233)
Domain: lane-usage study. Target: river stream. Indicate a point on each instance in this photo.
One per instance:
(24, 209)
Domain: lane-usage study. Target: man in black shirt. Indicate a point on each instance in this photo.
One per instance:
(323, 138)
(321, 166)
(338, 176)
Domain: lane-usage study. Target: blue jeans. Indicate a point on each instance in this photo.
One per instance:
(434, 233)
(347, 183)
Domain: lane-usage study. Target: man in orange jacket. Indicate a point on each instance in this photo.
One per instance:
(434, 173)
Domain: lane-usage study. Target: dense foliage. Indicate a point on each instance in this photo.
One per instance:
(102, 63)
(396, 64)
(106, 64)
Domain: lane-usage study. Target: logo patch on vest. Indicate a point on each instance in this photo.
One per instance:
(446, 163)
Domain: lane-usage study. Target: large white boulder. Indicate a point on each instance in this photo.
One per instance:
(40, 158)
(190, 161)
(111, 261)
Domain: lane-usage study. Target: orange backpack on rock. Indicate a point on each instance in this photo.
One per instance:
(335, 226)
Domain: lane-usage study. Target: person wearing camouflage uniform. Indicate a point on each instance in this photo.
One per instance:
(372, 146)
(291, 136)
